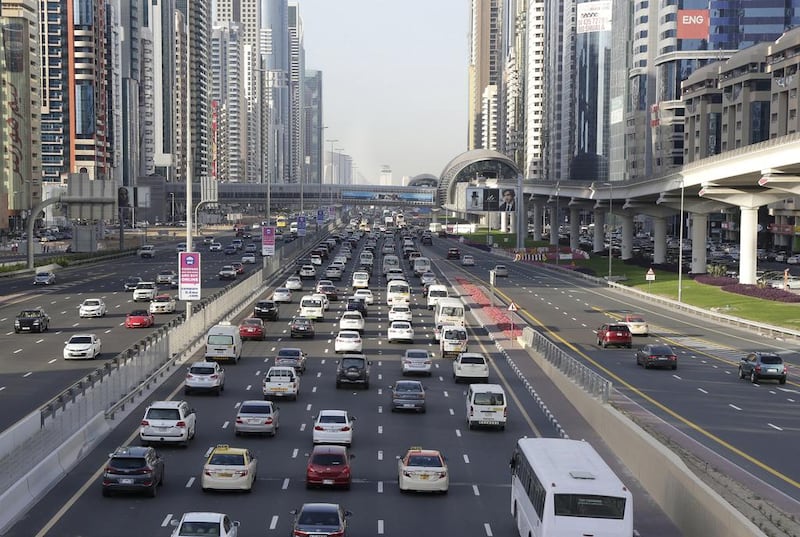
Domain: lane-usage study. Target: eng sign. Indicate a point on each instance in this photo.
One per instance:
(693, 24)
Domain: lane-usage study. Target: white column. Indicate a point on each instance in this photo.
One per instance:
(747, 245)
(504, 222)
(512, 220)
(659, 240)
(537, 221)
(574, 227)
(599, 229)
(699, 234)
(554, 225)
(627, 236)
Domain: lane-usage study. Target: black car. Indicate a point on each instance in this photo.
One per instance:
(32, 320)
(356, 304)
(657, 355)
(427, 240)
(762, 366)
(320, 519)
(132, 282)
(353, 369)
(453, 253)
(266, 309)
(302, 327)
(133, 469)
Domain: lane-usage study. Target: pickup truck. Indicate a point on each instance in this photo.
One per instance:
(147, 251)
(281, 381)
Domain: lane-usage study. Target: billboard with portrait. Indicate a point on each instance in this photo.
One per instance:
(491, 199)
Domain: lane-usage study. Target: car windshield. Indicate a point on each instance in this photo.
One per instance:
(429, 461)
(128, 463)
(227, 459)
(171, 414)
(198, 529)
(401, 325)
(138, 313)
(635, 320)
(416, 354)
(289, 353)
(351, 317)
(146, 286)
(80, 340)
(252, 322)
(455, 334)
(771, 359)
(91, 302)
(348, 335)
(318, 518)
(660, 349)
(302, 321)
(618, 327)
(473, 360)
(352, 362)
(328, 459)
(29, 314)
(489, 399)
(407, 387)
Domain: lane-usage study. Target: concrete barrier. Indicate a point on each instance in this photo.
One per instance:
(16, 435)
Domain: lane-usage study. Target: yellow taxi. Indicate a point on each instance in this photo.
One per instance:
(229, 468)
(423, 470)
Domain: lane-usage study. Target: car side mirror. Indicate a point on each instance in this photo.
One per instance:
(236, 523)
(347, 513)
(174, 522)
(293, 512)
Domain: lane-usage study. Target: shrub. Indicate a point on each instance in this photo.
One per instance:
(764, 293)
(717, 281)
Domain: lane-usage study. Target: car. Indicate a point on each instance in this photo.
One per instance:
(249, 259)
(44, 278)
(168, 422)
(215, 247)
(238, 267)
(31, 320)
(353, 369)
(333, 272)
(360, 279)
(330, 292)
(348, 341)
(131, 283)
(408, 395)
(322, 297)
(301, 327)
(416, 361)
(759, 366)
(427, 278)
(227, 272)
(316, 260)
(320, 520)
(426, 240)
(351, 320)
(257, 417)
(366, 294)
(423, 470)
(500, 271)
(322, 283)
(400, 331)
(147, 251)
(282, 295)
(204, 377)
(250, 248)
(307, 272)
(139, 319)
(656, 355)
(266, 310)
(205, 523)
(252, 328)
(636, 324)
(162, 304)
(229, 468)
(614, 334)
(453, 253)
(292, 357)
(793, 260)
(145, 291)
(208, 239)
(82, 347)
(181, 247)
(294, 283)
(356, 303)
(133, 469)
(333, 427)
(329, 465)
(471, 366)
(165, 276)
(230, 250)
(394, 274)
(400, 312)
(467, 261)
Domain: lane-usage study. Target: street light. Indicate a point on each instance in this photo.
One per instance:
(196, 220)
(610, 218)
(680, 248)
(558, 224)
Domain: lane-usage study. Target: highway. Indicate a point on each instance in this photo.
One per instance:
(478, 503)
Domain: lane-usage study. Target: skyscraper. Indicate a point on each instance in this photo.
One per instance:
(229, 97)
(296, 86)
(313, 129)
(162, 24)
(485, 66)
(274, 54)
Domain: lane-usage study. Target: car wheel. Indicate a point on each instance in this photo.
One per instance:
(217, 392)
(603, 344)
(674, 367)
(782, 380)
(753, 377)
(741, 373)
(629, 345)
(106, 493)
(153, 492)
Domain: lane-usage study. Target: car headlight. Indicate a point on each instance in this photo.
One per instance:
(16, 323)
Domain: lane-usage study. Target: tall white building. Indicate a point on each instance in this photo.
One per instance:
(230, 130)
(534, 90)
(296, 84)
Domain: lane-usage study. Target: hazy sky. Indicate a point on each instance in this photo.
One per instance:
(394, 80)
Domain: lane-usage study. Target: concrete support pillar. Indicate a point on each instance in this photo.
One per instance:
(537, 221)
(599, 230)
(699, 235)
(627, 236)
(659, 240)
(553, 226)
(574, 227)
(748, 239)
(504, 222)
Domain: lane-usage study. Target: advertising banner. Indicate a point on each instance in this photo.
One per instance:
(320, 216)
(267, 241)
(593, 17)
(301, 226)
(482, 199)
(189, 276)
(693, 24)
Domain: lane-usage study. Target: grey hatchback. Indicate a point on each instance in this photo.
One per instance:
(408, 395)
(762, 366)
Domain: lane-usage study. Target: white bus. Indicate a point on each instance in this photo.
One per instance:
(562, 487)
(398, 292)
(447, 312)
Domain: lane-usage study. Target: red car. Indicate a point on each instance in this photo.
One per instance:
(239, 267)
(139, 319)
(328, 466)
(252, 328)
(617, 334)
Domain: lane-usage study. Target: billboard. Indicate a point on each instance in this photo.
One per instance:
(189, 276)
(301, 226)
(267, 241)
(593, 17)
(370, 195)
(488, 199)
(693, 24)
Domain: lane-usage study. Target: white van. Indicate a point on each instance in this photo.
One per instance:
(224, 343)
(390, 262)
(398, 292)
(486, 405)
(360, 280)
(452, 340)
(448, 311)
(421, 266)
(436, 292)
(312, 307)
(366, 258)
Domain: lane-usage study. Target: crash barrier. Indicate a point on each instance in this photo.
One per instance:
(68, 426)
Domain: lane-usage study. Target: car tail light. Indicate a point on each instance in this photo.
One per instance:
(267, 421)
(298, 533)
(214, 376)
(470, 410)
(505, 412)
(673, 357)
(239, 420)
(758, 369)
(318, 428)
(345, 428)
(145, 423)
(180, 424)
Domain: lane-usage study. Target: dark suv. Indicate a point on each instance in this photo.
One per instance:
(133, 469)
(762, 366)
(356, 304)
(353, 369)
(453, 253)
(266, 309)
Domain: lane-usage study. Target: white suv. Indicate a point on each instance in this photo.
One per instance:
(205, 376)
(145, 291)
(168, 421)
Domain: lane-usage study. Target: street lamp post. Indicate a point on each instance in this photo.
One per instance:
(680, 248)
(610, 235)
(558, 224)
(331, 141)
(196, 220)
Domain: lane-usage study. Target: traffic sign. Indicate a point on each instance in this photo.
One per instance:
(650, 276)
(189, 283)
(513, 307)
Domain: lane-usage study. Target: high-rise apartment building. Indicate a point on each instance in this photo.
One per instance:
(229, 103)
(533, 75)
(313, 129)
(162, 24)
(296, 86)
(181, 94)
(274, 54)
(20, 151)
(485, 66)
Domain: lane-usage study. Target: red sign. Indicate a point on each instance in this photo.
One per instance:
(189, 276)
(693, 24)
(267, 241)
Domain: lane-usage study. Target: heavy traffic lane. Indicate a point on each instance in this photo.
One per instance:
(753, 425)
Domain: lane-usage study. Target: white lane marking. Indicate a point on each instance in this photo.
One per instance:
(380, 429)
(107, 331)
(466, 458)
(249, 387)
(53, 361)
(701, 390)
(17, 351)
(285, 484)
(294, 453)
(380, 527)
(677, 377)
(273, 523)
(488, 529)
(314, 389)
(734, 406)
(380, 376)
(475, 490)
(208, 451)
(225, 425)
(446, 394)
(380, 391)
(775, 427)
(451, 412)
(28, 374)
(39, 340)
(380, 487)
(458, 433)
(302, 426)
(165, 522)
(380, 455)
(308, 407)
(319, 374)
(190, 482)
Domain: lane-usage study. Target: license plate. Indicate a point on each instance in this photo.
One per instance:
(162, 429)
(772, 370)
(423, 476)
(619, 334)
(488, 422)
(225, 474)
(327, 481)
(279, 389)
(254, 421)
(126, 481)
(408, 405)
(26, 327)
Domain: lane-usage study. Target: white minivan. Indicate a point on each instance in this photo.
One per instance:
(452, 340)
(436, 292)
(223, 342)
(486, 406)
(390, 262)
(421, 266)
(398, 292)
(312, 307)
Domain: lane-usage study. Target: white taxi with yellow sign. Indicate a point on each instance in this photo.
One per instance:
(229, 468)
(423, 470)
